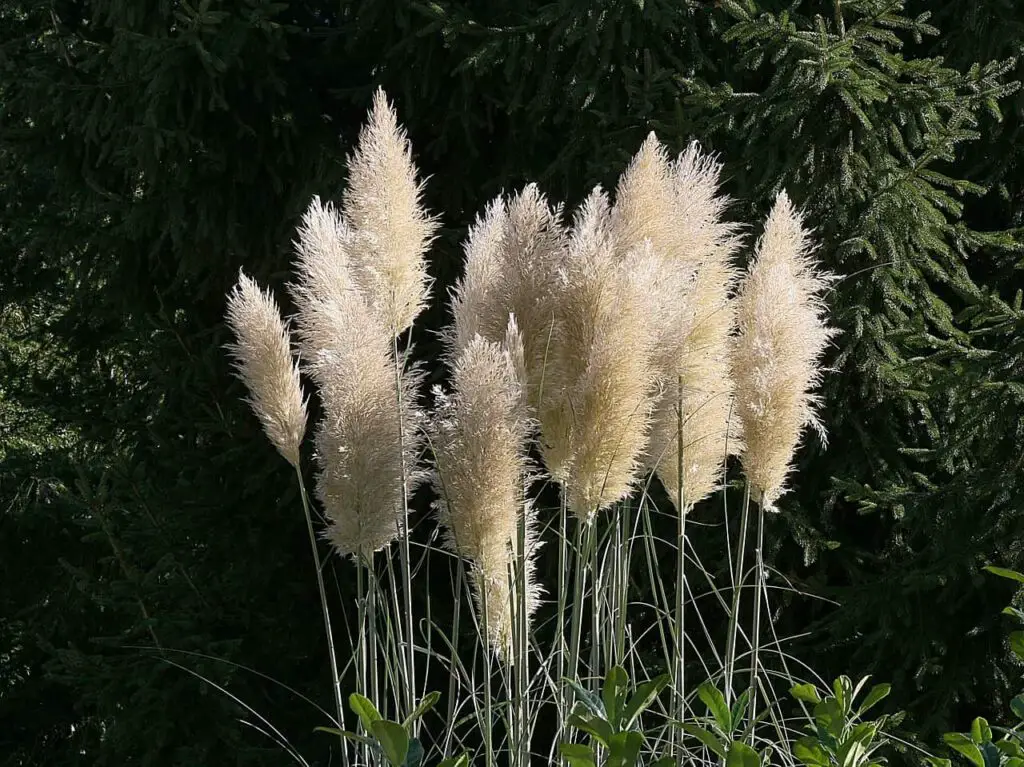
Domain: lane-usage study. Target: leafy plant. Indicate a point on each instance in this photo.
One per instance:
(840, 735)
(979, 746)
(610, 719)
(722, 730)
(388, 740)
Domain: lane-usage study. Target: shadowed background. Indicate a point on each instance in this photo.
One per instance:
(147, 150)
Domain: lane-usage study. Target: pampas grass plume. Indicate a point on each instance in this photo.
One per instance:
(512, 257)
(392, 231)
(348, 352)
(777, 358)
(263, 360)
(594, 425)
(479, 439)
(675, 207)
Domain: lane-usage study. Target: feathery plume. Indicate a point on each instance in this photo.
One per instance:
(263, 360)
(676, 208)
(479, 438)
(646, 205)
(512, 256)
(594, 423)
(777, 357)
(348, 353)
(392, 231)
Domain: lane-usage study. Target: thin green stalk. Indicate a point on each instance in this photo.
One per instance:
(595, 609)
(405, 558)
(373, 589)
(730, 649)
(335, 677)
(521, 650)
(660, 597)
(562, 647)
(488, 714)
(577, 600)
(456, 620)
(758, 592)
(621, 573)
(362, 667)
(679, 688)
(397, 642)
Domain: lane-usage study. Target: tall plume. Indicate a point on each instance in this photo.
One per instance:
(676, 208)
(777, 359)
(392, 231)
(512, 255)
(362, 281)
(263, 360)
(479, 435)
(347, 352)
(594, 423)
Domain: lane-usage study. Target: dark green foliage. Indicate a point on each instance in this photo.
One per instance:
(148, 150)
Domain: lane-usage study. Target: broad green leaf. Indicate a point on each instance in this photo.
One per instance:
(991, 754)
(875, 694)
(642, 698)
(587, 698)
(614, 694)
(429, 701)
(665, 761)
(578, 755)
(741, 755)
(808, 693)
(1017, 643)
(594, 726)
(706, 737)
(1003, 572)
(624, 749)
(715, 701)
(1010, 748)
(810, 752)
(393, 739)
(739, 708)
(830, 717)
(965, 746)
(1017, 706)
(462, 760)
(864, 733)
(843, 689)
(363, 708)
(415, 755)
(1013, 612)
(980, 731)
(851, 753)
(937, 761)
(1014, 761)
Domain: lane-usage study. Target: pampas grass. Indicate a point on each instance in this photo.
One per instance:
(616, 345)
(364, 458)
(674, 206)
(594, 420)
(479, 436)
(512, 257)
(777, 358)
(263, 360)
(383, 206)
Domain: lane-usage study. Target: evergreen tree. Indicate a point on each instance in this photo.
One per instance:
(147, 151)
(868, 137)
